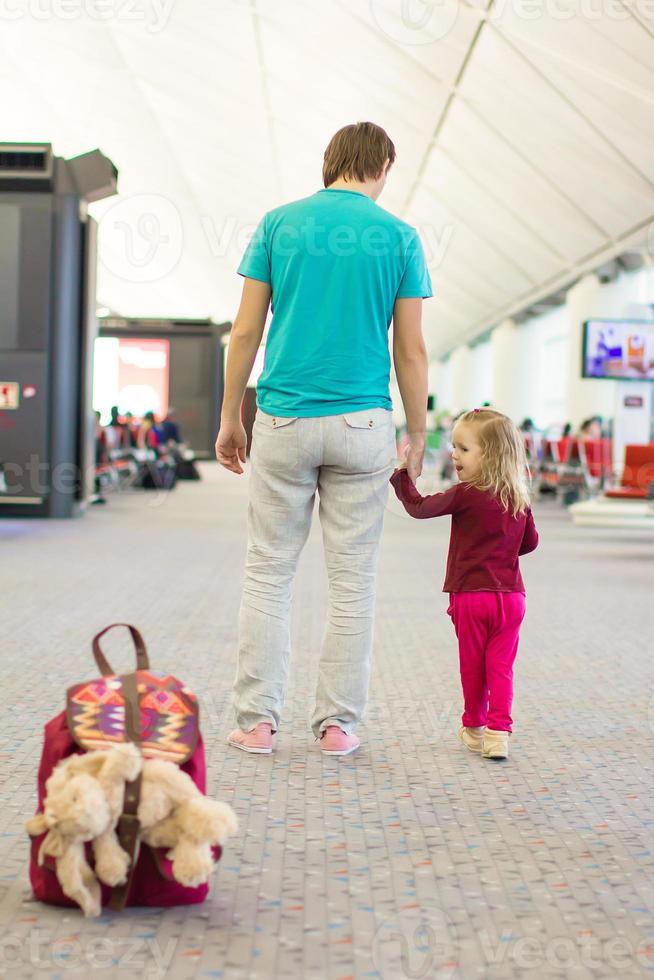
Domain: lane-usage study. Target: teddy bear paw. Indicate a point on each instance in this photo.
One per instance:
(192, 871)
(112, 868)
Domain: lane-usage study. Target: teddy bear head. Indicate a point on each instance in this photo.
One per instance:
(79, 810)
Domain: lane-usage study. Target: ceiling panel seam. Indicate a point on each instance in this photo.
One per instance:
(586, 68)
(571, 104)
(580, 267)
(204, 273)
(483, 238)
(393, 45)
(267, 101)
(554, 252)
(446, 108)
(468, 289)
(636, 16)
(528, 160)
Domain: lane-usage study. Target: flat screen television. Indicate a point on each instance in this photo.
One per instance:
(620, 350)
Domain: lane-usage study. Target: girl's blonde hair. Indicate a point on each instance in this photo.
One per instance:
(503, 470)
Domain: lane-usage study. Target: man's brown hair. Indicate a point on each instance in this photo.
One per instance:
(357, 152)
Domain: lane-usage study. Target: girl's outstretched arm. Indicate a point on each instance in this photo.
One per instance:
(434, 505)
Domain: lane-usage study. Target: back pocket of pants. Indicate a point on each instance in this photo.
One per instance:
(370, 439)
(275, 441)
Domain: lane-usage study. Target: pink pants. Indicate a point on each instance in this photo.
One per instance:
(487, 626)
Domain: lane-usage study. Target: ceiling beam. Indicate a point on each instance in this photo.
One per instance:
(266, 97)
(601, 135)
(453, 91)
(586, 264)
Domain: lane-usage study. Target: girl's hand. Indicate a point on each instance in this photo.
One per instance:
(401, 463)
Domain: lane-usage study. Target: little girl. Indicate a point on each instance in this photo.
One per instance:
(492, 525)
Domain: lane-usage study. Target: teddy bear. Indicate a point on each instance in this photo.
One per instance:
(84, 801)
(174, 814)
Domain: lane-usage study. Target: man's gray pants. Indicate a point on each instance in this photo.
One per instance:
(347, 459)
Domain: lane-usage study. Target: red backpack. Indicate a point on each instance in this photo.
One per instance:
(158, 712)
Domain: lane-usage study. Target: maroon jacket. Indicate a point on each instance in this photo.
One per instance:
(485, 540)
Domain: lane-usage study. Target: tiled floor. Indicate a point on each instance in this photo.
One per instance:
(411, 859)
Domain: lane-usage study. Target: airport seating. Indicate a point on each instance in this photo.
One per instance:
(637, 475)
(596, 457)
(556, 458)
(573, 465)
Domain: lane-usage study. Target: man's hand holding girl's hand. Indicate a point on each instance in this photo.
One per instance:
(414, 455)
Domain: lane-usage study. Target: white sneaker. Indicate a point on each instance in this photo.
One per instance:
(495, 745)
(472, 738)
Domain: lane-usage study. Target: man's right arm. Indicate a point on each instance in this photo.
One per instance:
(410, 360)
(244, 342)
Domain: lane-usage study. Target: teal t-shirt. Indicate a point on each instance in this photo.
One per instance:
(336, 262)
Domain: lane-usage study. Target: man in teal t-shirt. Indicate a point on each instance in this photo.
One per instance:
(335, 269)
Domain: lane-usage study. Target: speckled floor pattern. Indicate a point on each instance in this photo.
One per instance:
(411, 859)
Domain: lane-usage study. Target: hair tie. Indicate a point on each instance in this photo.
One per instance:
(476, 410)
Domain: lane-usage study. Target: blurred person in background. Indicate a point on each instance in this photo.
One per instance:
(168, 429)
(147, 434)
(591, 429)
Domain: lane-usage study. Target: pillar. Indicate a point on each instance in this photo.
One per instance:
(511, 393)
(461, 374)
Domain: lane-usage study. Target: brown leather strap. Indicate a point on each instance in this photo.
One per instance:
(128, 826)
(142, 661)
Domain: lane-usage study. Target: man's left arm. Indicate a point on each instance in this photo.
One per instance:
(244, 342)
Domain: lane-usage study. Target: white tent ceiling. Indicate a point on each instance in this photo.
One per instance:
(523, 131)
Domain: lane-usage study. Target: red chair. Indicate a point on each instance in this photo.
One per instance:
(565, 449)
(637, 475)
(597, 461)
